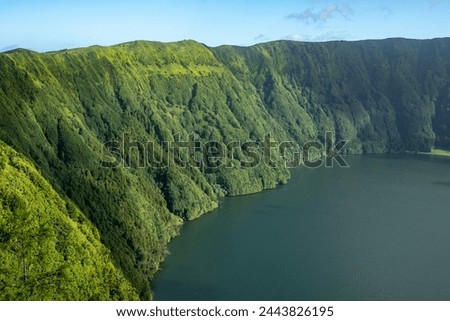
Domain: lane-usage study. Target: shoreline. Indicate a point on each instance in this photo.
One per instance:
(437, 152)
(434, 152)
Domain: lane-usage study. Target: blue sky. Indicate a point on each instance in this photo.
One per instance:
(44, 25)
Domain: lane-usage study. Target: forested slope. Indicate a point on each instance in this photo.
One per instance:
(48, 249)
(60, 108)
(384, 96)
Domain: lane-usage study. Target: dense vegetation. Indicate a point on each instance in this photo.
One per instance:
(384, 96)
(59, 108)
(48, 248)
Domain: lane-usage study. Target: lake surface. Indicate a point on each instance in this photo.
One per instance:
(379, 230)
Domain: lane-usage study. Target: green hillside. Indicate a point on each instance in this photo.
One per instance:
(60, 108)
(48, 249)
(383, 96)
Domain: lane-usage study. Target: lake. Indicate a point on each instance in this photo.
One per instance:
(379, 230)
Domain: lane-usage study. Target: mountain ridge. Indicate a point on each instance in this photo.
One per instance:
(222, 45)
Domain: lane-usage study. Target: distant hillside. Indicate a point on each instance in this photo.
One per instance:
(60, 108)
(384, 96)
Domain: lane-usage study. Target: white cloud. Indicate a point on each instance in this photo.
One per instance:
(321, 16)
(297, 37)
(434, 3)
(328, 36)
(261, 37)
(387, 11)
(331, 35)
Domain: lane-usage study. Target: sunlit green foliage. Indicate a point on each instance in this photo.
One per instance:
(59, 109)
(48, 249)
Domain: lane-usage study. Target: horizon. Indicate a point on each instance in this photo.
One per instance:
(201, 43)
(48, 25)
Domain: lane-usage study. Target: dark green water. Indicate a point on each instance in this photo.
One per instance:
(379, 230)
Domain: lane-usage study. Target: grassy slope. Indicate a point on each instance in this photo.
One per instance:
(59, 108)
(440, 152)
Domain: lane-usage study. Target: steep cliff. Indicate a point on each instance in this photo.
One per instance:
(93, 119)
